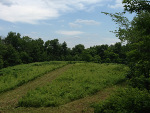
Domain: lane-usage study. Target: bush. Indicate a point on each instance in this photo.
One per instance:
(139, 75)
(140, 82)
(129, 100)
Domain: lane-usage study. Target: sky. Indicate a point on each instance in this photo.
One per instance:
(72, 21)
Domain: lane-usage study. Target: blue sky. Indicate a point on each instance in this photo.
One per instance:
(73, 21)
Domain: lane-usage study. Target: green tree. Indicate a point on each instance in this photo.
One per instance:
(37, 50)
(25, 57)
(10, 56)
(113, 57)
(137, 35)
(97, 59)
(1, 62)
(64, 50)
(26, 44)
(136, 5)
(77, 52)
(53, 49)
(118, 54)
(139, 56)
(92, 51)
(86, 56)
(13, 39)
(1, 53)
(78, 49)
(101, 51)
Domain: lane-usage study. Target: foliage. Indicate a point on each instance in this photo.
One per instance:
(97, 59)
(139, 54)
(137, 35)
(12, 77)
(136, 5)
(15, 50)
(11, 56)
(86, 56)
(81, 80)
(1, 62)
(129, 100)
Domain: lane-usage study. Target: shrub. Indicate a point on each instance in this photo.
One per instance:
(139, 75)
(129, 100)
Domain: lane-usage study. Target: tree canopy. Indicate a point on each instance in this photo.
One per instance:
(137, 35)
(15, 49)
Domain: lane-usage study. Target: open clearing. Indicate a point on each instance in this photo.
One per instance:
(9, 100)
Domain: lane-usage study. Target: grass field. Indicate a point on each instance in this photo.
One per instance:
(15, 76)
(72, 88)
(81, 80)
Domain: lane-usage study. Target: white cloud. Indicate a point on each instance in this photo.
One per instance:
(118, 4)
(92, 8)
(87, 22)
(79, 22)
(31, 11)
(69, 33)
(25, 13)
(73, 25)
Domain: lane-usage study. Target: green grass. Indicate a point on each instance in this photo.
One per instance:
(15, 76)
(79, 81)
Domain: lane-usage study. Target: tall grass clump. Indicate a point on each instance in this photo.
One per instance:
(81, 80)
(12, 77)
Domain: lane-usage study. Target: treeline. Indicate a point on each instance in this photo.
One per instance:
(15, 49)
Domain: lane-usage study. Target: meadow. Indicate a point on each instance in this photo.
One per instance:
(15, 76)
(79, 81)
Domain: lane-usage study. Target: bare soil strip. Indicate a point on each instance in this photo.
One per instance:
(9, 100)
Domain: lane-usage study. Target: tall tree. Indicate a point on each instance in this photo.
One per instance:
(101, 51)
(10, 56)
(137, 35)
(136, 5)
(1, 58)
(78, 49)
(14, 40)
(77, 52)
